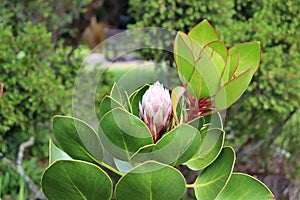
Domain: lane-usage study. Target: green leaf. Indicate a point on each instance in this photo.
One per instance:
(201, 72)
(219, 47)
(77, 139)
(122, 133)
(136, 98)
(210, 149)
(210, 66)
(213, 121)
(244, 62)
(176, 95)
(242, 186)
(175, 147)
(151, 180)
(185, 60)
(232, 90)
(197, 122)
(244, 56)
(72, 179)
(119, 94)
(203, 33)
(55, 153)
(107, 104)
(213, 179)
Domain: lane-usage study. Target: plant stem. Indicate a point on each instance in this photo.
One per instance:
(189, 186)
(111, 168)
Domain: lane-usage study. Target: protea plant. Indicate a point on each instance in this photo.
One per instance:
(150, 132)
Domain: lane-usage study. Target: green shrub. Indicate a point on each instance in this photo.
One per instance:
(38, 71)
(38, 77)
(176, 15)
(58, 16)
(37, 80)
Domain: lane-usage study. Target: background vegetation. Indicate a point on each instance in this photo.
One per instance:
(41, 53)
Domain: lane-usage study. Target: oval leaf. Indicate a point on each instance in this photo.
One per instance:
(210, 66)
(70, 179)
(219, 47)
(232, 90)
(213, 179)
(210, 149)
(122, 133)
(175, 147)
(151, 180)
(242, 186)
(203, 33)
(77, 139)
(244, 56)
(185, 60)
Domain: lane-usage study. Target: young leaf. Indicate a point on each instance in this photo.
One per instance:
(176, 95)
(203, 33)
(184, 58)
(219, 47)
(233, 90)
(243, 56)
(210, 67)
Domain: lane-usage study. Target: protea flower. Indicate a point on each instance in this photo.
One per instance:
(155, 109)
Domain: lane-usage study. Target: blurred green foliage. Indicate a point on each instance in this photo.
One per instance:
(38, 80)
(58, 16)
(176, 15)
(38, 71)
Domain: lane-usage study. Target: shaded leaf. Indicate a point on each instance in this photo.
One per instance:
(136, 98)
(77, 139)
(107, 104)
(55, 153)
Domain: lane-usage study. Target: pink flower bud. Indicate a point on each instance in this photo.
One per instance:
(156, 109)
